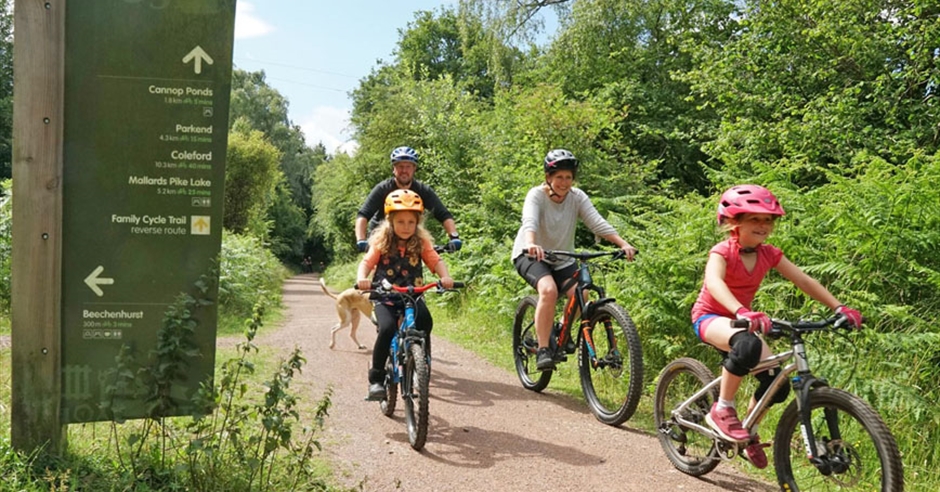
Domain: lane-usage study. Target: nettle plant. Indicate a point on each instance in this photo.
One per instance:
(235, 439)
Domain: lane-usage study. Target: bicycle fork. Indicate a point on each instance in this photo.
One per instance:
(803, 383)
(612, 358)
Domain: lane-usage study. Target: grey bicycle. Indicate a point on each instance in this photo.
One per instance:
(826, 438)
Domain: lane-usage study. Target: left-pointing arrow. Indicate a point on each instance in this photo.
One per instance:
(93, 281)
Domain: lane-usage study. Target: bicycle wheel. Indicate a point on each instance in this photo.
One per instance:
(690, 452)
(415, 392)
(613, 384)
(391, 389)
(850, 437)
(525, 344)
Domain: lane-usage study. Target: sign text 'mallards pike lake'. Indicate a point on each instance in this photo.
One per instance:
(147, 86)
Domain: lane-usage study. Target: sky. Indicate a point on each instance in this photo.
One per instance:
(315, 52)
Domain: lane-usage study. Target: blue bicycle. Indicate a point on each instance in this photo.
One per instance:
(408, 368)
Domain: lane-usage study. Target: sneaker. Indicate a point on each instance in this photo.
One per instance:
(725, 422)
(755, 453)
(376, 392)
(543, 360)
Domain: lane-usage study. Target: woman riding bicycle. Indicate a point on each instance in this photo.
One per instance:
(733, 274)
(397, 249)
(549, 219)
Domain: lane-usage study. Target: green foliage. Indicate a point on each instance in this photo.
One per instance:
(288, 227)
(248, 273)
(6, 244)
(257, 106)
(339, 190)
(226, 452)
(625, 54)
(807, 85)
(251, 175)
(6, 89)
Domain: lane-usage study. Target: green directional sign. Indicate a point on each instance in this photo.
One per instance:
(147, 86)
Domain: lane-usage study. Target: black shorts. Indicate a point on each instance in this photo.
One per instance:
(532, 271)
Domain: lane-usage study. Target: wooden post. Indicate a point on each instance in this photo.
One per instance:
(38, 111)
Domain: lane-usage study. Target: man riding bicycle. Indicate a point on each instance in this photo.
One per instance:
(404, 164)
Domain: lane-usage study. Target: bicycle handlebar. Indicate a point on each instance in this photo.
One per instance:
(385, 287)
(804, 326)
(781, 326)
(586, 255)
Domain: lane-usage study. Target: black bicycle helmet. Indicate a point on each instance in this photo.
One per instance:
(560, 159)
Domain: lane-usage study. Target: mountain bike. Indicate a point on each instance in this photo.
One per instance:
(610, 358)
(826, 438)
(408, 368)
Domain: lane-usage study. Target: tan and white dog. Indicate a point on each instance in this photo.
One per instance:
(349, 303)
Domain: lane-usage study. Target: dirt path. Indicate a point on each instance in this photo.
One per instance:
(487, 433)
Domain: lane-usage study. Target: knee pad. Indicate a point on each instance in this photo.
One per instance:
(766, 378)
(744, 354)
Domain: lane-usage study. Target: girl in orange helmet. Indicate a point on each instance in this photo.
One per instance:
(398, 249)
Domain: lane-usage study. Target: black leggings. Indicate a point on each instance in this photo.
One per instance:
(387, 317)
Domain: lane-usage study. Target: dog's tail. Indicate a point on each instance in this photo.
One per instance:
(323, 285)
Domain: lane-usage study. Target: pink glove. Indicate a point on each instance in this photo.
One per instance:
(758, 320)
(854, 317)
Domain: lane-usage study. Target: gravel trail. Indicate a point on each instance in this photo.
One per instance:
(486, 432)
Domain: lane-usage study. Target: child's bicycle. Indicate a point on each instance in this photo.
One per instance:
(408, 368)
(610, 359)
(826, 439)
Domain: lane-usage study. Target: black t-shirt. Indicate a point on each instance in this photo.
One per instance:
(374, 207)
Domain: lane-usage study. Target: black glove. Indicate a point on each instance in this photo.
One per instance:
(454, 245)
(362, 245)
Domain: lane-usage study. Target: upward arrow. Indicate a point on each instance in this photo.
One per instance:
(199, 55)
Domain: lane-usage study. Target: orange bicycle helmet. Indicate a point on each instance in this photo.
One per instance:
(399, 200)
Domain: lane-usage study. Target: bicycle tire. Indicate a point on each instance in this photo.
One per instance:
(415, 383)
(690, 452)
(613, 389)
(866, 441)
(525, 345)
(391, 389)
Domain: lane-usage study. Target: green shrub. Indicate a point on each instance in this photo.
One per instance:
(6, 244)
(248, 274)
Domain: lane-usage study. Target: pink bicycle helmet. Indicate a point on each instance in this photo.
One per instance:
(751, 199)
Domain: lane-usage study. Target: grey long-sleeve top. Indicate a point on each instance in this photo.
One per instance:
(554, 224)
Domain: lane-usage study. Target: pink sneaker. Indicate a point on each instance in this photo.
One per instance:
(726, 423)
(755, 453)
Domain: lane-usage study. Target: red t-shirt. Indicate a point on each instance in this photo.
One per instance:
(743, 284)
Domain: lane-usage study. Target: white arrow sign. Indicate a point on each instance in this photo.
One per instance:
(199, 55)
(93, 281)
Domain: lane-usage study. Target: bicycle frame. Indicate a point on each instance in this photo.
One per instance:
(407, 335)
(580, 303)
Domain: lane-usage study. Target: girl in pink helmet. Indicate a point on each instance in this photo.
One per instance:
(735, 269)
